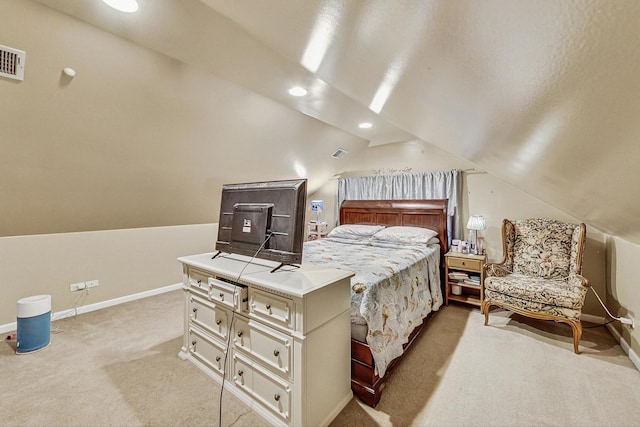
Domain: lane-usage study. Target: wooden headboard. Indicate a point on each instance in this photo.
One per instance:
(417, 213)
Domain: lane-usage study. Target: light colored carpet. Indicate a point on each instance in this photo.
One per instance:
(119, 366)
(514, 372)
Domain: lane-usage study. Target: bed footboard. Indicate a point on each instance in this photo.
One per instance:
(366, 385)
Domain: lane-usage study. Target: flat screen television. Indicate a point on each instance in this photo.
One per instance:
(263, 219)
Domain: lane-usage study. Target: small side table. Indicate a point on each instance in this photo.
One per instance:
(464, 277)
(317, 230)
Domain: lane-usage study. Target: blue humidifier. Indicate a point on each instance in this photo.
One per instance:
(34, 323)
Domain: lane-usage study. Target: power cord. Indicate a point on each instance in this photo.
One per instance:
(233, 314)
(600, 325)
(80, 300)
(624, 320)
(55, 329)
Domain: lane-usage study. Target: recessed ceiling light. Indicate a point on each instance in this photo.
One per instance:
(123, 5)
(365, 125)
(297, 91)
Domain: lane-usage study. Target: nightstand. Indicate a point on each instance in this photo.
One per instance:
(464, 276)
(317, 230)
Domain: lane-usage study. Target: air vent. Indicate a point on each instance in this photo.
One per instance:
(12, 63)
(339, 153)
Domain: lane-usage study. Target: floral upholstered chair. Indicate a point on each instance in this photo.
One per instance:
(539, 275)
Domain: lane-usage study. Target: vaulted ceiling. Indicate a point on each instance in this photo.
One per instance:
(542, 94)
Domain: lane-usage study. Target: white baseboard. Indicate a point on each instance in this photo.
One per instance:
(9, 327)
(625, 346)
(599, 320)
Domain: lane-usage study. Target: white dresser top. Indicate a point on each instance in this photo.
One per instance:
(288, 279)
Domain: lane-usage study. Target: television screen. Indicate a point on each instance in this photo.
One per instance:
(263, 219)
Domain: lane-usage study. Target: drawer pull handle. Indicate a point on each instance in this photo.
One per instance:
(193, 343)
(240, 372)
(463, 263)
(217, 358)
(268, 307)
(276, 397)
(221, 296)
(218, 321)
(276, 353)
(195, 309)
(239, 334)
(199, 281)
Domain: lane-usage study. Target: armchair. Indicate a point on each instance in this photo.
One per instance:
(539, 275)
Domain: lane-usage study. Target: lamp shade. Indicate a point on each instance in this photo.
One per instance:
(317, 205)
(476, 222)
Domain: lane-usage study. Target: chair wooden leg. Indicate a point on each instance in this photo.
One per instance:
(577, 333)
(484, 308)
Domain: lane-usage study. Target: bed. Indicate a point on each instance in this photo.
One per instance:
(397, 287)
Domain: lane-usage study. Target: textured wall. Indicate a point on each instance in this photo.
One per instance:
(125, 262)
(136, 139)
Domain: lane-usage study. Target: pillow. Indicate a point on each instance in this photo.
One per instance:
(355, 231)
(404, 235)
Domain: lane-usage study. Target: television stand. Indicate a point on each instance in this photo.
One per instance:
(282, 264)
(288, 344)
(276, 268)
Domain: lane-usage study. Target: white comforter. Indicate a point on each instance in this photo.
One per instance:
(394, 288)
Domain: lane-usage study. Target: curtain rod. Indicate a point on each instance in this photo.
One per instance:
(467, 171)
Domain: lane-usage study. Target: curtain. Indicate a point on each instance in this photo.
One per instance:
(407, 186)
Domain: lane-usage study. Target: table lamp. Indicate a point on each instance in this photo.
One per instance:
(317, 206)
(476, 222)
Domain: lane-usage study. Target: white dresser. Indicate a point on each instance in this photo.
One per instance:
(289, 334)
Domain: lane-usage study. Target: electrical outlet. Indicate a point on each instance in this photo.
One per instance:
(633, 322)
(628, 320)
(92, 283)
(74, 287)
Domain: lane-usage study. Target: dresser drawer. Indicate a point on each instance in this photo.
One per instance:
(234, 297)
(272, 308)
(208, 316)
(468, 264)
(263, 386)
(207, 350)
(199, 282)
(264, 344)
